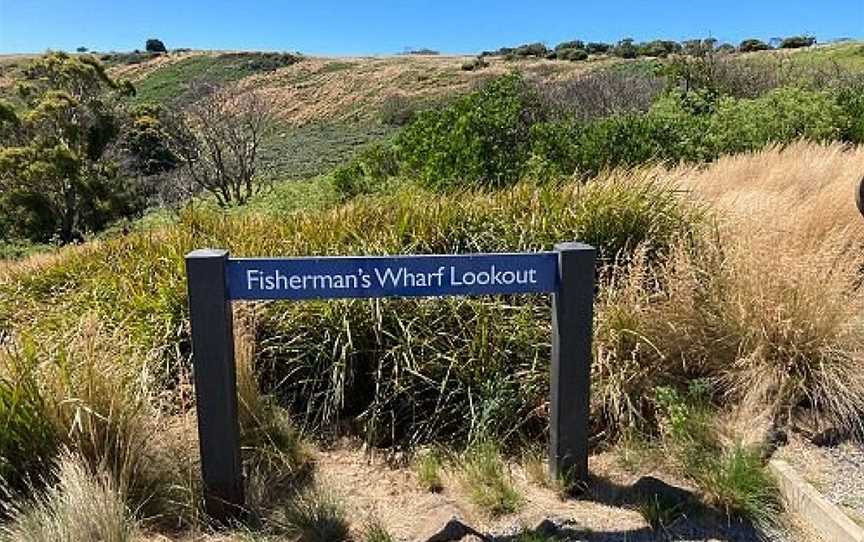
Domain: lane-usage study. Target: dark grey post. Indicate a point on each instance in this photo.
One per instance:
(572, 323)
(859, 196)
(215, 382)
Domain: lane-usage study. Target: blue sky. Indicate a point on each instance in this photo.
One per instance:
(356, 27)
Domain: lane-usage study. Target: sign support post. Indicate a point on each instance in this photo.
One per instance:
(570, 378)
(215, 382)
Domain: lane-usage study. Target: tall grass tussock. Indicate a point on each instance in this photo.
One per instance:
(744, 273)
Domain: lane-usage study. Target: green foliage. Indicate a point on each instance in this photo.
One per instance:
(594, 47)
(796, 42)
(147, 141)
(155, 46)
(740, 484)
(659, 48)
(301, 152)
(487, 479)
(696, 126)
(407, 371)
(428, 467)
(850, 98)
(574, 44)
(780, 116)
(27, 441)
(176, 83)
(626, 49)
(480, 139)
(315, 516)
(375, 531)
(571, 54)
(55, 175)
(369, 169)
(751, 45)
(734, 478)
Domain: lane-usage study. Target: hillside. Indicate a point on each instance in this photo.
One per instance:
(728, 319)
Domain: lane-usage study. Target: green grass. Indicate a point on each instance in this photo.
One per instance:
(457, 364)
(428, 468)
(290, 196)
(487, 479)
(315, 149)
(15, 250)
(315, 516)
(845, 55)
(174, 82)
(375, 531)
(733, 478)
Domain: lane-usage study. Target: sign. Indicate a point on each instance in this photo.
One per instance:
(214, 280)
(389, 276)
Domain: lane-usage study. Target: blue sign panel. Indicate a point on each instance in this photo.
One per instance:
(389, 276)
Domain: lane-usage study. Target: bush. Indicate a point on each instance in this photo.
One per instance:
(795, 42)
(752, 45)
(625, 49)
(27, 440)
(594, 47)
(780, 116)
(480, 139)
(367, 171)
(571, 54)
(155, 46)
(538, 50)
(316, 516)
(575, 44)
(600, 93)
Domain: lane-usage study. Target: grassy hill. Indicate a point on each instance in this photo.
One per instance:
(728, 310)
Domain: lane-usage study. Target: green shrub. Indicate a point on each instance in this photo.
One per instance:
(734, 478)
(155, 46)
(795, 42)
(780, 116)
(368, 170)
(850, 98)
(480, 139)
(575, 44)
(571, 54)
(751, 45)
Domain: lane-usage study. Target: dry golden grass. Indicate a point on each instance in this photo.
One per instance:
(345, 89)
(84, 505)
(136, 72)
(771, 301)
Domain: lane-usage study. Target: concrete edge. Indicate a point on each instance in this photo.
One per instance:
(802, 498)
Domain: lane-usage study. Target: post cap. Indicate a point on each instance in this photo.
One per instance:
(205, 253)
(573, 245)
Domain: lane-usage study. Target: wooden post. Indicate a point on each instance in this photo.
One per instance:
(215, 383)
(572, 324)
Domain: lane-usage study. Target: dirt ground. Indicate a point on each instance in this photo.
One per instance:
(371, 488)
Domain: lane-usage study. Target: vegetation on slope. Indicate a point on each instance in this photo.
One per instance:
(743, 274)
